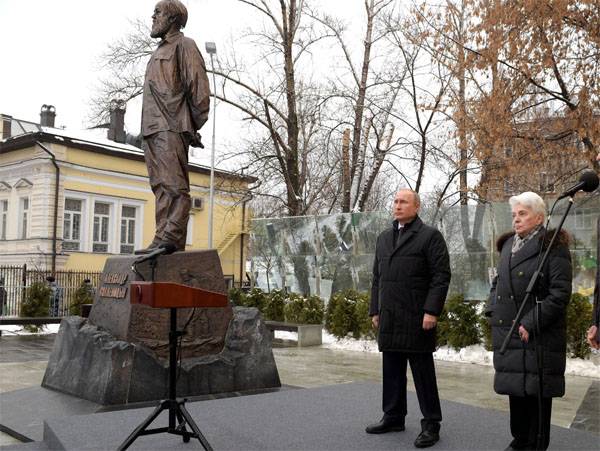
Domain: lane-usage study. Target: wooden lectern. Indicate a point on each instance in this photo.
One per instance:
(172, 296)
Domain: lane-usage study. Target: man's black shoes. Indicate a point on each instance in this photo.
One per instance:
(520, 444)
(427, 439)
(385, 425)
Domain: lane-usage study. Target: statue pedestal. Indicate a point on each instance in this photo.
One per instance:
(119, 355)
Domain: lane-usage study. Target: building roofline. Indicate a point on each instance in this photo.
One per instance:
(120, 150)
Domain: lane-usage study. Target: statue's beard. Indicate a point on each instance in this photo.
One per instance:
(159, 29)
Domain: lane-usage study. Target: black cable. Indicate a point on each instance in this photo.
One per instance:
(180, 342)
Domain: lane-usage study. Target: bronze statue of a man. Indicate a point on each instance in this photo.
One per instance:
(176, 102)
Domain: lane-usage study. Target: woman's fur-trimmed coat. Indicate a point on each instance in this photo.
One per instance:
(516, 370)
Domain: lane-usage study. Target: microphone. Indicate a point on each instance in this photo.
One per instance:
(163, 249)
(588, 182)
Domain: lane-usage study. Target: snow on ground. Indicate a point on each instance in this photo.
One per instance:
(471, 354)
(18, 330)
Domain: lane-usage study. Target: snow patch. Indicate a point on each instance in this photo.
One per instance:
(19, 330)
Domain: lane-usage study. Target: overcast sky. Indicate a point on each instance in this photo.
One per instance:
(50, 50)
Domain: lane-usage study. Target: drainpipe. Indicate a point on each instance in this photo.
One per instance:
(55, 219)
(242, 261)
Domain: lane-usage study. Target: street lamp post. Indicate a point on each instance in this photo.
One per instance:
(211, 49)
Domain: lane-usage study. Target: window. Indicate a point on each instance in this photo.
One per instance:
(72, 225)
(190, 230)
(101, 224)
(507, 186)
(3, 218)
(584, 219)
(24, 217)
(508, 151)
(545, 186)
(128, 215)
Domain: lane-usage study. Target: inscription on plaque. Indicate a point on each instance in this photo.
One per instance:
(113, 292)
(110, 290)
(117, 278)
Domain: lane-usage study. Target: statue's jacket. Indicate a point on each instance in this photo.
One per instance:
(176, 93)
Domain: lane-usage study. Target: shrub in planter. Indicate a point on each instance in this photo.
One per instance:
(485, 330)
(83, 295)
(256, 298)
(361, 310)
(459, 327)
(443, 327)
(274, 305)
(579, 314)
(348, 313)
(36, 304)
(237, 296)
(302, 310)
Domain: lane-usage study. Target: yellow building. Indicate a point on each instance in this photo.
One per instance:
(103, 205)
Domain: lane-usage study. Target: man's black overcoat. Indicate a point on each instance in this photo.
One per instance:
(516, 371)
(410, 279)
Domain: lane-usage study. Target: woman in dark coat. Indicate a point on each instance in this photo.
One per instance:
(516, 370)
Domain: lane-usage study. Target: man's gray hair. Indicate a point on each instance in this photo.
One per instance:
(530, 200)
(177, 9)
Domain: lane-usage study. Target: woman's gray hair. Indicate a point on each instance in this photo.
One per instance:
(531, 201)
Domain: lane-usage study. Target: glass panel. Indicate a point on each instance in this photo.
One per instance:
(70, 246)
(101, 208)
(67, 226)
(98, 247)
(131, 232)
(128, 212)
(96, 228)
(123, 230)
(73, 204)
(104, 235)
(76, 226)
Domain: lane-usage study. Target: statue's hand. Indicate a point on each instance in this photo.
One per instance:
(196, 141)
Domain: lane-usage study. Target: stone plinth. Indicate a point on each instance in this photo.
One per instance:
(90, 363)
(136, 323)
(120, 354)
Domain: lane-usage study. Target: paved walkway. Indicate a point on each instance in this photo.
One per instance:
(23, 361)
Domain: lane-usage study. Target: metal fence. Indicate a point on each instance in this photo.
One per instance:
(16, 280)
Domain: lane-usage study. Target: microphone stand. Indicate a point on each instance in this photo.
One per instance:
(179, 417)
(537, 332)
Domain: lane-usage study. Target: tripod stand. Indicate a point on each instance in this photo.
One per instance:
(176, 407)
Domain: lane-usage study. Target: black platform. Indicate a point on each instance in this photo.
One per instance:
(325, 418)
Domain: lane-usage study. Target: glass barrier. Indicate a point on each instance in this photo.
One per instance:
(328, 253)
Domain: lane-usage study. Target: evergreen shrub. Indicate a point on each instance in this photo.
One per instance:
(458, 327)
(348, 313)
(579, 314)
(83, 295)
(298, 309)
(36, 304)
(274, 304)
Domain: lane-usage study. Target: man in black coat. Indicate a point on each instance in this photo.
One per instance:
(411, 275)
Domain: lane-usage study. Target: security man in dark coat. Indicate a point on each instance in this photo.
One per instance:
(411, 275)
(593, 334)
(516, 370)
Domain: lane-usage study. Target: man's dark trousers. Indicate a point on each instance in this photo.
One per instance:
(394, 387)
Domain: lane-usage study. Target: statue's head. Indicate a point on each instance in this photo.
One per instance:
(168, 15)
